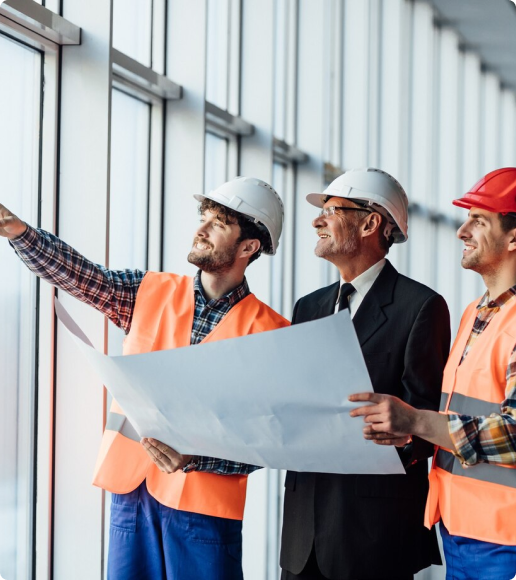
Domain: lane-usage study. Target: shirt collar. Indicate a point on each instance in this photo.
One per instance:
(364, 281)
(233, 296)
(486, 302)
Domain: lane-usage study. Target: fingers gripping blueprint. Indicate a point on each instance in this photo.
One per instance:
(276, 399)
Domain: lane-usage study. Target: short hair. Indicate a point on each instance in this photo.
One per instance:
(249, 230)
(507, 221)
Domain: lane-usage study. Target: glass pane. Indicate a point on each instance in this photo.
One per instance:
(216, 166)
(356, 75)
(280, 67)
(132, 28)
(128, 206)
(129, 193)
(19, 117)
(217, 44)
(130, 126)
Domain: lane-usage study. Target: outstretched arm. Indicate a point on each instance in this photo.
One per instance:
(112, 292)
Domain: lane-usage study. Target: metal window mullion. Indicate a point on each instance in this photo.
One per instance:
(137, 76)
(224, 123)
(46, 326)
(21, 34)
(38, 23)
(288, 153)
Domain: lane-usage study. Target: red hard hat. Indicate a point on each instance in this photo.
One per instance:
(495, 192)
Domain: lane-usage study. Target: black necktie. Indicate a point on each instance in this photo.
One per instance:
(345, 292)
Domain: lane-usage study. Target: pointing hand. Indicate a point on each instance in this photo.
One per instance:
(11, 226)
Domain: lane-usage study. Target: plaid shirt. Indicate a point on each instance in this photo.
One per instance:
(113, 292)
(488, 439)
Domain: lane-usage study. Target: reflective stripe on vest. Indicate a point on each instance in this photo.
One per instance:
(478, 501)
(120, 424)
(464, 405)
(162, 319)
(482, 472)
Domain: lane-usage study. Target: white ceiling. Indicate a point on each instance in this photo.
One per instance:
(489, 28)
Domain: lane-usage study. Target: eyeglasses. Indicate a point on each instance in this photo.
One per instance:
(329, 211)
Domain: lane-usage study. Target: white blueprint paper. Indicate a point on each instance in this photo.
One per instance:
(276, 399)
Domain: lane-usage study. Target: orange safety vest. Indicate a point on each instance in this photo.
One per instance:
(479, 501)
(162, 319)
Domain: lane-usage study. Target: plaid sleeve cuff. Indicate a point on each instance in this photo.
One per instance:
(26, 240)
(464, 433)
(219, 466)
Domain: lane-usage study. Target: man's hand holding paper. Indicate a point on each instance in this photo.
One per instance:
(291, 413)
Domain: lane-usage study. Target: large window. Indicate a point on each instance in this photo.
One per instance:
(223, 54)
(129, 191)
(20, 74)
(216, 167)
(128, 207)
(132, 29)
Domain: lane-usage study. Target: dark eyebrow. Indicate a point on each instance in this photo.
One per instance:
(479, 215)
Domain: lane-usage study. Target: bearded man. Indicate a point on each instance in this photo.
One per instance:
(172, 516)
(473, 477)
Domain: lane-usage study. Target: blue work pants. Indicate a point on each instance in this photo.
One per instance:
(468, 559)
(149, 541)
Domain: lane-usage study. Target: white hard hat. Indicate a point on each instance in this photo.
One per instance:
(255, 199)
(376, 187)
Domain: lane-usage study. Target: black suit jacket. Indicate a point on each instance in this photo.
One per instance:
(371, 526)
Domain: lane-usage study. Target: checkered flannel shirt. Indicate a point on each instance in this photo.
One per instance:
(113, 292)
(488, 439)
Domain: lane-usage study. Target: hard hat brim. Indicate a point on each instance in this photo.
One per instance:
(316, 199)
(467, 202)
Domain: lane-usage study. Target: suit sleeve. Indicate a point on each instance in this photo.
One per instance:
(294, 313)
(425, 357)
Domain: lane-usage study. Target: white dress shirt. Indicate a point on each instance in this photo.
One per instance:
(362, 285)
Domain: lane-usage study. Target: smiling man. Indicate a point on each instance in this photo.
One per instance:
(348, 527)
(473, 477)
(173, 517)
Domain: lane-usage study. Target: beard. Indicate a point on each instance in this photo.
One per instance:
(349, 247)
(214, 261)
(477, 263)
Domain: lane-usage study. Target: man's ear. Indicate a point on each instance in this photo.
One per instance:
(371, 224)
(512, 241)
(249, 247)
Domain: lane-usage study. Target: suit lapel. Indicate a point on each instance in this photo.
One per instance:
(326, 304)
(370, 315)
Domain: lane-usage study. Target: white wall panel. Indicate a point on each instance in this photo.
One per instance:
(84, 191)
(448, 121)
(310, 272)
(491, 123)
(471, 139)
(356, 83)
(256, 160)
(508, 129)
(185, 131)
(257, 87)
(394, 88)
(422, 124)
